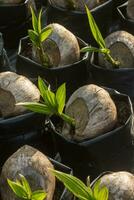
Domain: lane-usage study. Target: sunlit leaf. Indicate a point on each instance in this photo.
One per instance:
(61, 97)
(45, 33)
(34, 20)
(38, 195)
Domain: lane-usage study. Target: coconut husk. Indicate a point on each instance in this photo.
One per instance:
(130, 9)
(94, 112)
(120, 185)
(32, 164)
(77, 5)
(15, 88)
(61, 47)
(121, 45)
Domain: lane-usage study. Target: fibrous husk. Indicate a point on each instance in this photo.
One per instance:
(130, 9)
(77, 5)
(61, 47)
(32, 164)
(15, 88)
(120, 185)
(121, 45)
(93, 110)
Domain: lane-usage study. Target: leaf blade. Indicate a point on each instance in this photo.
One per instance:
(61, 97)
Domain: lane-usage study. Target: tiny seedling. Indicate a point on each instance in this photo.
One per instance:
(38, 35)
(22, 190)
(52, 104)
(100, 41)
(79, 189)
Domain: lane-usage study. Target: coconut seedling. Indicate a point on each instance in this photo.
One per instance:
(54, 45)
(114, 50)
(130, 9)
(89, 108)
(22, 189)
(77, 5)
(34, 165)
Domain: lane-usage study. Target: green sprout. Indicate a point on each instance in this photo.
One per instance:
(100, 41)
(52, 104)
(22, 190)
(38, 35)
(80, 190)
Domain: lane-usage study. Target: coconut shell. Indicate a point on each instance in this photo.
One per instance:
(32, 164)
(121, 45)
(130, 9)
(61, 47)
(93, 110)
(17, 89)
(77, 5)
(120, 185)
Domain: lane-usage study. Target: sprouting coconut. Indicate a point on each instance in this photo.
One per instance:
(78, 5)
(32, 164)
(11, 1)
(15, 88)
(130, 9)
(120, 185)
(121, 45)
(61, 47)
(93, 110)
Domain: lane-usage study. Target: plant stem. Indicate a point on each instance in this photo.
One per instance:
(68, 119)
(109, 58)
(45, 61)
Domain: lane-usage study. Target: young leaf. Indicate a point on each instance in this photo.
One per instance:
(95, 30)
(39, 21)
(74, 185)
(38, 195)
(50, 101)
(42, 87)
(26, 186)
(45, 33)
(34, 20)
(103, 194)
(36, 107)
(18, 189)
(33, 37)
(61, 97)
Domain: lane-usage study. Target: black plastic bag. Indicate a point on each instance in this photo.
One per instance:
(77, 22)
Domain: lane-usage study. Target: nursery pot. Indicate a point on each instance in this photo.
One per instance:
(15, 19)
(92, 156)
(4, 61)
(74, 75)
(126, 23)
(77, 22)
(24, 129)
(121, 80)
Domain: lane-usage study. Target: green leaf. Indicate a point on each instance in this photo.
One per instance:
(67, 119)
(38, 195)
(18, 189)
(34, 20)
(61, 97)
(50, 101)
(74, 185)
(39, 21)
(36, 107)
(33, 37)
(45, 33)
(95, 30)
(42, 87)
(89, 49)
(103, 194)
(26, 186)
